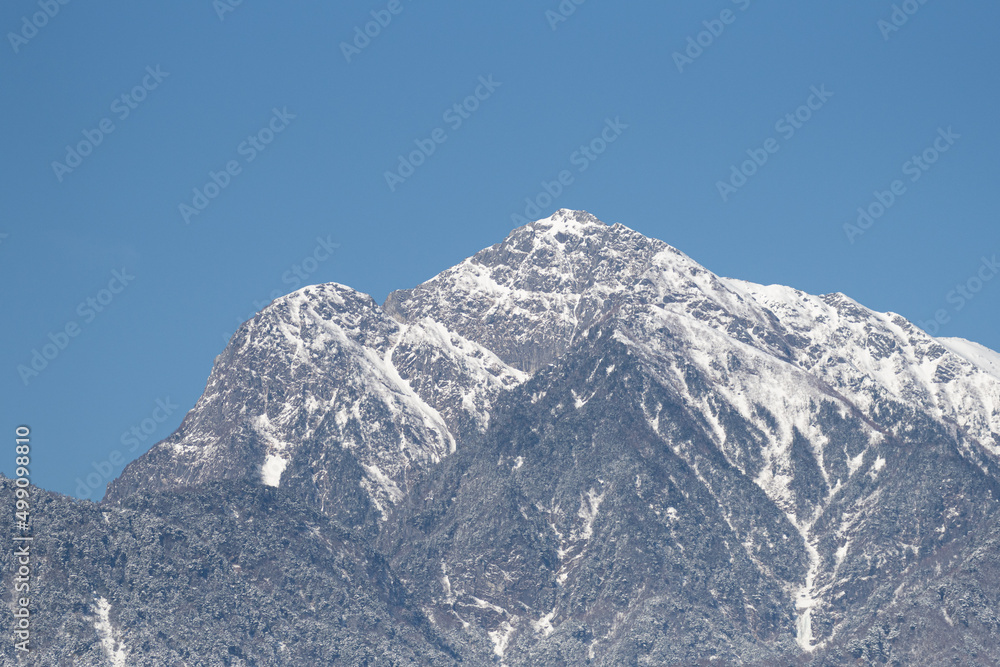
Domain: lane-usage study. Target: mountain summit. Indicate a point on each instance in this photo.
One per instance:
(579, 446)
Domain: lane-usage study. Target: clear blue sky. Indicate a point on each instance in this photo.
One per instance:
(210, 79)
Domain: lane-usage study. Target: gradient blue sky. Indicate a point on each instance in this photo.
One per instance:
(323, 176)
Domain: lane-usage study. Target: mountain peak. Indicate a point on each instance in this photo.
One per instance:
(568, 221)
(529, 297)
(578, 397)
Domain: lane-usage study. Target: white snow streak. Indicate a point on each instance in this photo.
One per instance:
(113, 649)
(806, 599)
(588, 512)
(501, 637)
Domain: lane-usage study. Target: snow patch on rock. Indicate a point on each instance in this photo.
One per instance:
(114, 649)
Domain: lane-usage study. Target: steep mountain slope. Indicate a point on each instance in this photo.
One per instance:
(572, 532)
(232, 573)
(325, 393)
(810, 398)
(580, 445)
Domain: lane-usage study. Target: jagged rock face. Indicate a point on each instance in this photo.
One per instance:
(528, 298)
(800, 404)
(580, 445)
(322, 391)
(573, 532)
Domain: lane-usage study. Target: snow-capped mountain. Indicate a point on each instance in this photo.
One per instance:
(806, 399)
(579, 446)
(326, 366)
